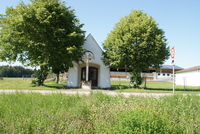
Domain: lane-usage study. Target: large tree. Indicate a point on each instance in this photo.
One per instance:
(136, 43)
(44, 33)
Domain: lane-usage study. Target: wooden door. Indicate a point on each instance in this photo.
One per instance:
(93, 75)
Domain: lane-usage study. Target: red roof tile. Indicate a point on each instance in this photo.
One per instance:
(189, 69)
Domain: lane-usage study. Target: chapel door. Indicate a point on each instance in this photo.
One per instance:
(93, 75)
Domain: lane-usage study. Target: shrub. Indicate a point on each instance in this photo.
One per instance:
(135, 79)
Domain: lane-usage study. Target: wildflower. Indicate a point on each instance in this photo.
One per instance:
(48, 115)
(60, 130)
(196, 125)
(54, 126)
(109, 123)
(83, 82)
(38, 129)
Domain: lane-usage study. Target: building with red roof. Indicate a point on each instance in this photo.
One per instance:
(188, 77)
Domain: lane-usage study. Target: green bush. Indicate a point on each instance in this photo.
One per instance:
(41, 75)
(135, 79)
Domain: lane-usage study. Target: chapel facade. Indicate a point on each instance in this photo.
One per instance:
(98, 73)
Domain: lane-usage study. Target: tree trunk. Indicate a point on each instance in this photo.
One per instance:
(42, 68)
(145, 82)
(57, 80)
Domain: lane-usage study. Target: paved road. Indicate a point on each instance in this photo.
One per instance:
(87, 92)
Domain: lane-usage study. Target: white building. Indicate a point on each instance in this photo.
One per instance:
(99, 74)
(188, 77)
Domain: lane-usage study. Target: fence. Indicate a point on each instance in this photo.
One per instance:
(127, 75)
(24, 77)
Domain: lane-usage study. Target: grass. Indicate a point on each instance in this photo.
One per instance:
(121, 86)
(98, 113)
(19, 83)
(166, 87)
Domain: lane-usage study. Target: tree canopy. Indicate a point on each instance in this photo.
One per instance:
(136, 42)
(43, 33)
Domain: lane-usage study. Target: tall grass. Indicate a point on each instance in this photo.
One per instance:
(98, 113)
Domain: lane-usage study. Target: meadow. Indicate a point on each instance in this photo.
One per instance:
(20, 84)
(97, 113)
(163, 87)
(34, 113)
(119, 86)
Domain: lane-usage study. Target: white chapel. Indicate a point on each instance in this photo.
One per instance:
(92, 69)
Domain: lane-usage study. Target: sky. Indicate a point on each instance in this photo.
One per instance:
(180, 19)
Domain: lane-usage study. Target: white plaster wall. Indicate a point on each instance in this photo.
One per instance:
(191, 78)
(104, 81)
(91, 45)
(73, 76)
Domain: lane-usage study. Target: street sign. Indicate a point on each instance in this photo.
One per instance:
(172, 55)
(172, 52)
(172, 62)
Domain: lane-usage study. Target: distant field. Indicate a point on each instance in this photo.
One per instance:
(154, 87)
(20, 83)
(123, 86)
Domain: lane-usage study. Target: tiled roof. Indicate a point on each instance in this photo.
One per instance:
(189, 69)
